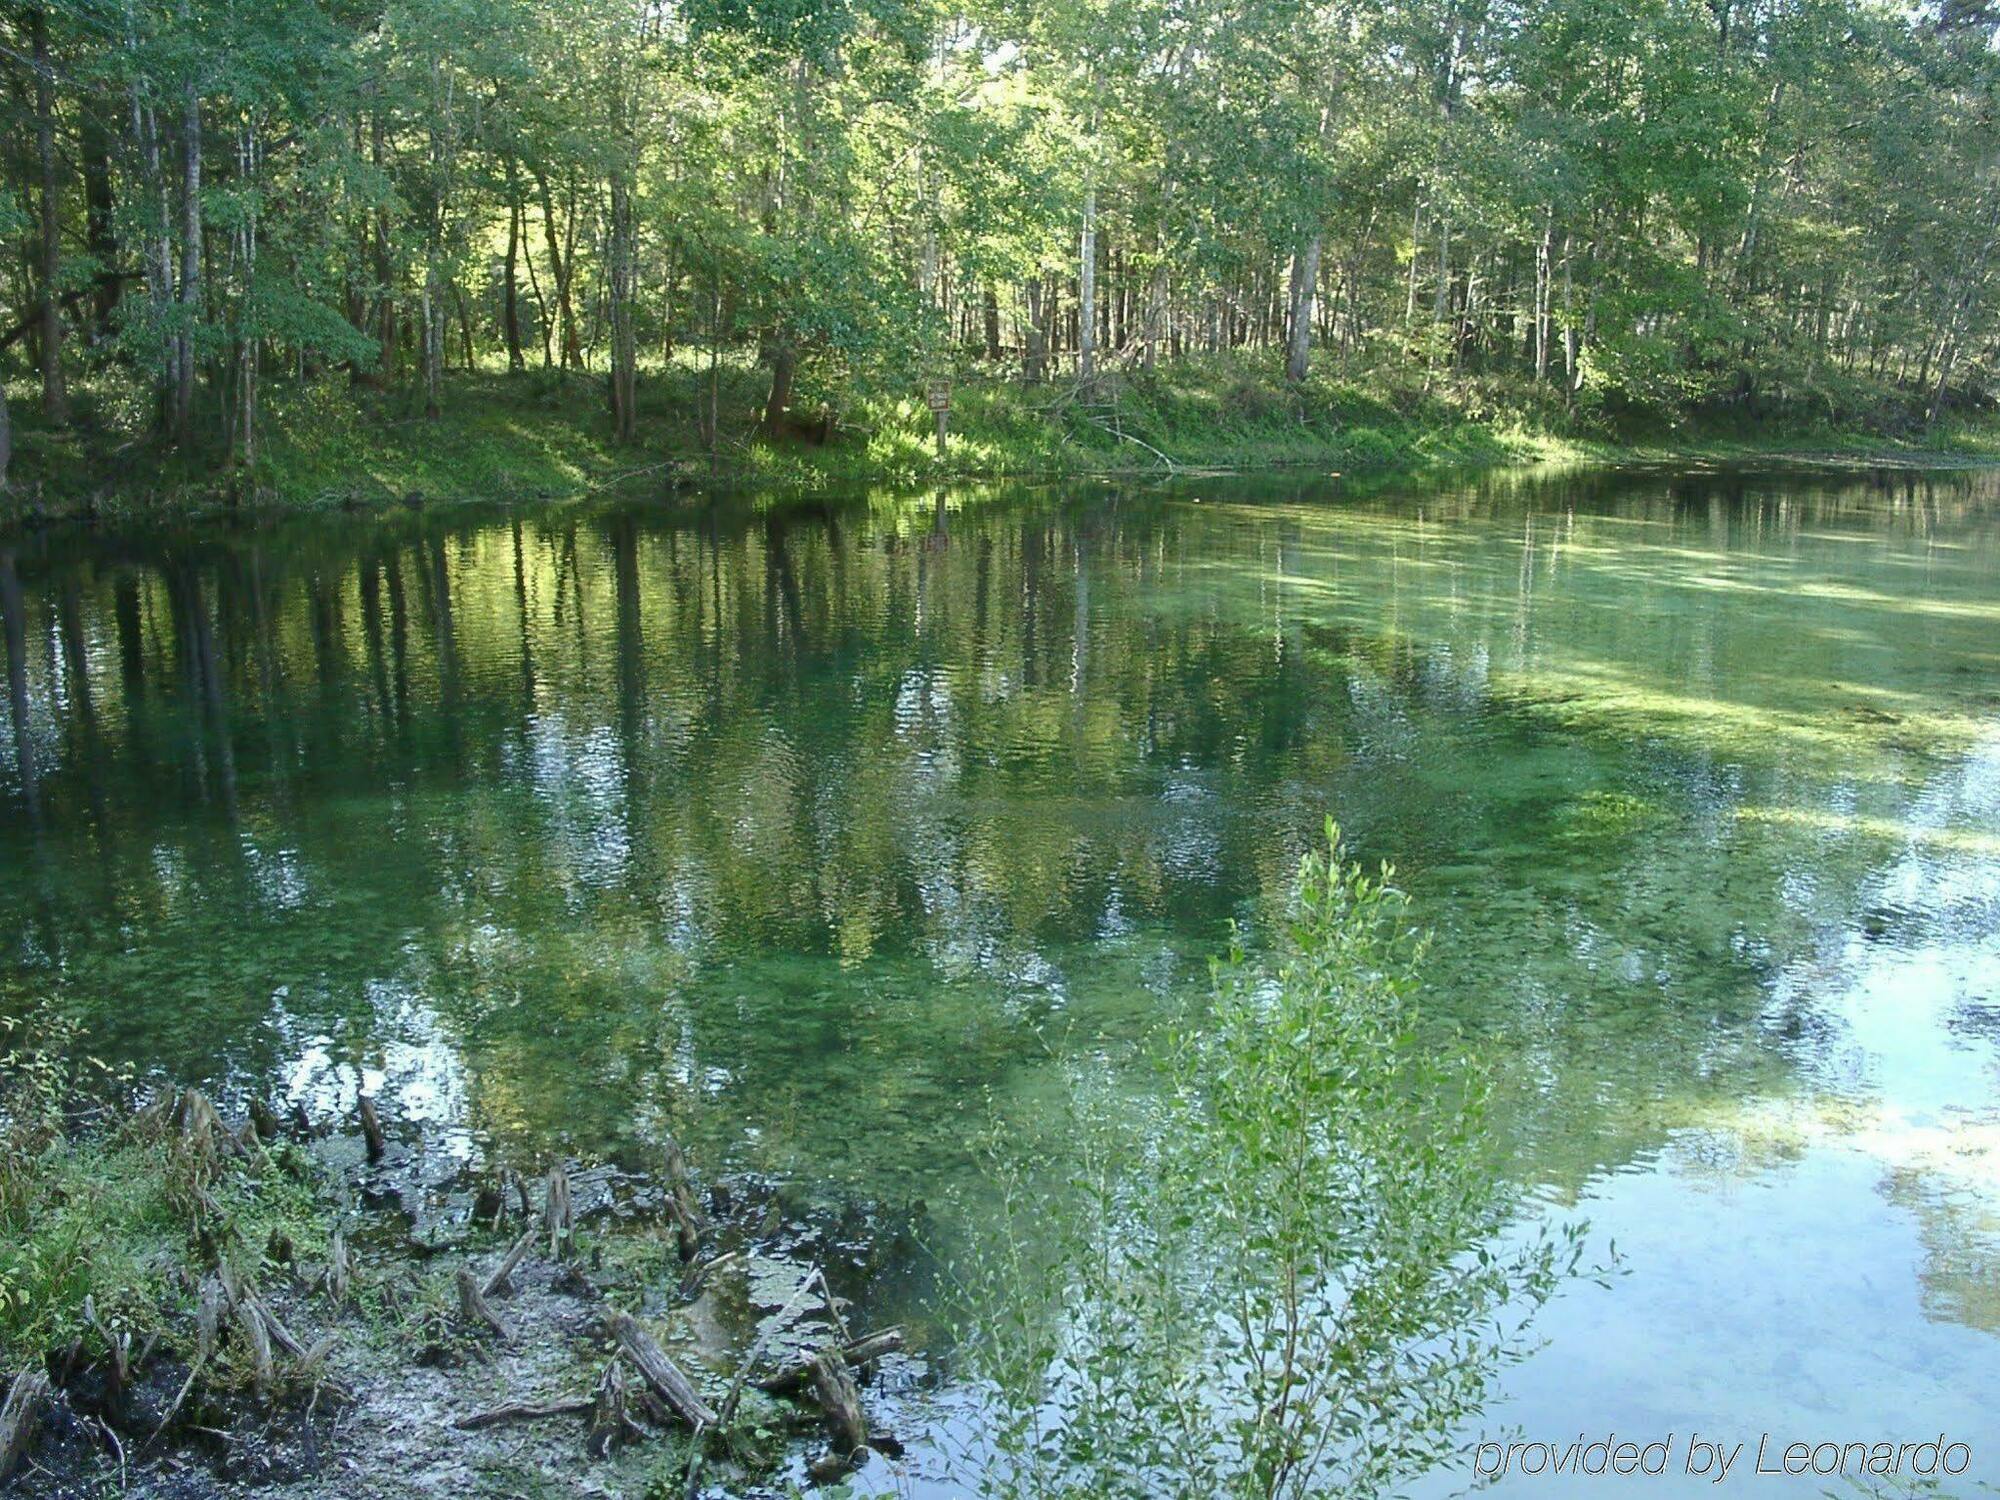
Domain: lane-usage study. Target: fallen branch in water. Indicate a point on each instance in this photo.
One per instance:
(526, 1411)
(661, 1373)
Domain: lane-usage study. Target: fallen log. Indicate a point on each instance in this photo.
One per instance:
(497, 1284)
(526, 1411)
(856, 1354)
(660, 1372)
(280, 1335)
(21, 1418)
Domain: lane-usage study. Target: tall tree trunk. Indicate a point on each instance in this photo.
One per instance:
(784, 365)
(387, 341)
(1035, 361)
(561, 268)
(433, 335)
(1086, 292)
(1544, 258)
(55, 393)
(1305, 287)
(1156, 310)
(182, 409)
(247, 163)
(990, 309)
(624, 347)
(510, 287)
(100, 214)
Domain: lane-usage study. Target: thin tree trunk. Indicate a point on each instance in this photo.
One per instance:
(560, 269)
(510, 287)
(1156, 310)
(55, 392)
(1086, 292)
(1035, 364)
(624, 347)
(1305, 286)
(100, 215)
(182, 419)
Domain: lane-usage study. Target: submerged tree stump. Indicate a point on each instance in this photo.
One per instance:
(371, 1128)
(683, 1207)
(840, 1399)
(558, 1214)
(21, 1418)
(472, 1305)
(856, 1354)
(610, 1423)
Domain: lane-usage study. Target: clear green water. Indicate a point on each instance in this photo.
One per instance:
(799, 834)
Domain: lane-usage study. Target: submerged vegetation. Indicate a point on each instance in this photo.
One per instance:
(320, 250)
(1289, 1276)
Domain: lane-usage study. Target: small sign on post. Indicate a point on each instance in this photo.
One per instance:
(938, 394)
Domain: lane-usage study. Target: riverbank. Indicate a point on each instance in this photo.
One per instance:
(546, 435)
(310, 1307)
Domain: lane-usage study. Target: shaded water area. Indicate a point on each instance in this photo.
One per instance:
(805, 832)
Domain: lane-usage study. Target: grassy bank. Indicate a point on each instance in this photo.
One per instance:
(545, 434)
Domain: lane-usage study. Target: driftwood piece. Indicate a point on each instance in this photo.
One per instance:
(610, 1423)
(497, 1284)
(371, 1128)
(660, 1372)
(840, 1399)
(526, 1411)
(697, 1275)
(280, 1335)
(21, 1418)
(558, 1214)
(472, 1305)
(857, 1354)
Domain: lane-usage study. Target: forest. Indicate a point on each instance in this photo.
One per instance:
(1579, 210)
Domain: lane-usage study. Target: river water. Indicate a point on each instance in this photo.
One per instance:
(805, 832)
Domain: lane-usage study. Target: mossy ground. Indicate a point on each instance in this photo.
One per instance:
(545, 434)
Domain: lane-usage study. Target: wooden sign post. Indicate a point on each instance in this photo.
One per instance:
(938, 393)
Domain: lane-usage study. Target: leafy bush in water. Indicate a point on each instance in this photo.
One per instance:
(1295, 1276)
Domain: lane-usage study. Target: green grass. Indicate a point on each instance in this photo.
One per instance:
(545, 434)
(111, 1217)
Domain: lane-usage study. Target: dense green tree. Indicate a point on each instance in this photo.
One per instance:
(1666, 204)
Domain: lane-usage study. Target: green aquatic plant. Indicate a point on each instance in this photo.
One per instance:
(1291, 1272)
